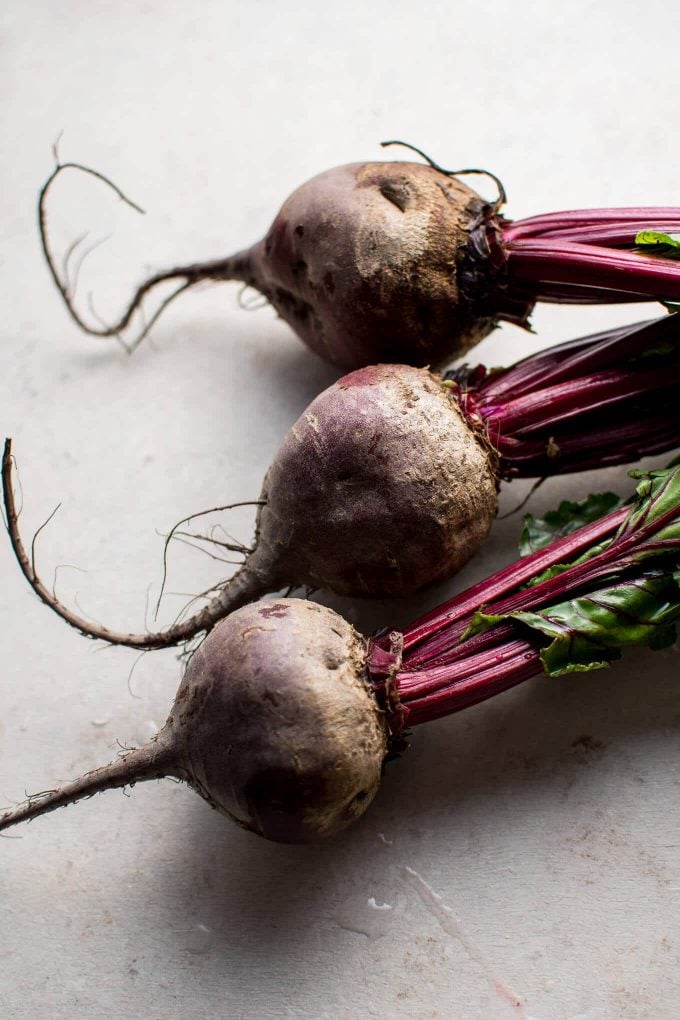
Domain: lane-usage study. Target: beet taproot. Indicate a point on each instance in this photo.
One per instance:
(274, 725)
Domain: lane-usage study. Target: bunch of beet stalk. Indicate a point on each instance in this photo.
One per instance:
(286, 716)
(402, 262)
(604, 399)
(568, 607)
(388, 481)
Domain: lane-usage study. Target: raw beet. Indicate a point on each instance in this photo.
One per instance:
(274, 724)
(388, 481)
(402, 262)
(374, 262)
(379, 488)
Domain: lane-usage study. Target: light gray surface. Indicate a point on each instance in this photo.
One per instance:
(528, 847)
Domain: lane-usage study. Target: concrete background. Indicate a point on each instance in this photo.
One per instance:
(523, 859)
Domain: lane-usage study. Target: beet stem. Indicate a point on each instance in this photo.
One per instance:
(590, 256)
(578, 357)
(552, 404)
(539, 262)
(545, 223)
(429, 638)
(448, 672)
(612, 400)
(509, 578)
(592, 444)
(519, 661)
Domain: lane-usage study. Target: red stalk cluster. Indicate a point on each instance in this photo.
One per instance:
(438, 674)
(588, 256)
(434, 671)
(605, 399)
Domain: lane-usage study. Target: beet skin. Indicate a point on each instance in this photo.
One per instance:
(380, 488)
(371, 262)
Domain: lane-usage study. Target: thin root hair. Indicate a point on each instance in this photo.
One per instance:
(73, 282)
(523, 502)
(187, 520)
(66, 260)
(125, 748)
(67, 286)
(64, 566)
(235, 547)
(502, 194)
(254, 304)
(184, 539)
(133, 667)
(37, 532)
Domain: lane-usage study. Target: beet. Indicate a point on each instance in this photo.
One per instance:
(380, 487)
(402, 262)
(274, 724)
(373, 262)
(286, 716)
(388, 481)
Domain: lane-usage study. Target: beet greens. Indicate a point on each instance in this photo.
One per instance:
(285, 716)
(402, 262)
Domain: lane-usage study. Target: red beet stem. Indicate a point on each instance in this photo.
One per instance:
(609, 400)
(427, 640)
(608, 235)
(553, 404)
(617, 556)
(546, 265)
(577, 357)
(592, 445)
(439, 673)
(588, 256)
(458, 609)
(481, 677)
(659, 218)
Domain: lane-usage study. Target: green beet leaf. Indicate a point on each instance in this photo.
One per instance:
(655, 242)
(590, 631)
(658, 495)
(538, 532)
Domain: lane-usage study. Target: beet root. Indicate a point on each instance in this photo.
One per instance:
(274, 724)
(368, 263)
(372, 262)
(305, 742)
(380, 488)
